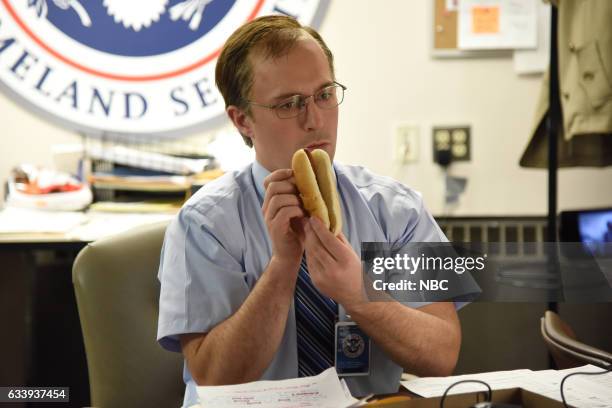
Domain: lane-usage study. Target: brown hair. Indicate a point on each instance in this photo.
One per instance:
(270, 37)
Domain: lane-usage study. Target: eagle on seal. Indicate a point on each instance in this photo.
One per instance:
(133, 14)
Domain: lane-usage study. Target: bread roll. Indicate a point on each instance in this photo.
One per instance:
(316, 183)
(327, 186)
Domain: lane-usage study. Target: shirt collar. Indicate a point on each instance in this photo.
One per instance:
(259, 174)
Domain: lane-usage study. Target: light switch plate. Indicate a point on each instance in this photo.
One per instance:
(406, 146)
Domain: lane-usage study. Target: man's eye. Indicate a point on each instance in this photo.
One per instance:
(287, 105)
(325, 95)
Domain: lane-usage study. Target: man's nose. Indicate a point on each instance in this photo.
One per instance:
(313, 117)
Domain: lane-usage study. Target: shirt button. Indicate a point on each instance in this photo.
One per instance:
(588, 76)
(566, 95)
(572, 47)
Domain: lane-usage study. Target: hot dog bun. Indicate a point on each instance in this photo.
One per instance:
(327, 186)
(316, 183)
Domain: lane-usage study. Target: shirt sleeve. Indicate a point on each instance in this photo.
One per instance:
(202, 283)
(403, 215)
(406, 220)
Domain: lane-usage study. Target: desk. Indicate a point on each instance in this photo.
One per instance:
(42, 343)
(31, 227)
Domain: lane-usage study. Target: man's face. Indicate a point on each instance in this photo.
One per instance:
(303, 71)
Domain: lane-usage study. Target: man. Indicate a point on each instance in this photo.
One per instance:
(231, 259)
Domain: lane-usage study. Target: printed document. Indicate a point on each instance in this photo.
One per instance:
(323, 391)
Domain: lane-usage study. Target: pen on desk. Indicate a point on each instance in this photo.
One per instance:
(386, 401)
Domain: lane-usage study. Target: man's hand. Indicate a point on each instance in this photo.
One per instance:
(334, 267)
(283, 214)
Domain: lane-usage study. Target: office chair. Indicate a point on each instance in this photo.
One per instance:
(117, 292)
(565, 349)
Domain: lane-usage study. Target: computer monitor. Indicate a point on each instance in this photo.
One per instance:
(587, 226)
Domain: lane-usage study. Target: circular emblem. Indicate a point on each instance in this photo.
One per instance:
(353, 345)
(125, 67)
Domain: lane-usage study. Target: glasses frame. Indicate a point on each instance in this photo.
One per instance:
(305, 98)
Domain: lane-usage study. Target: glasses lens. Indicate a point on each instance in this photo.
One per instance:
(290, 107)
(329, 97)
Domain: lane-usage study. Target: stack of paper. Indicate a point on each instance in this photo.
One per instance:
(149, 160)
(323, 391)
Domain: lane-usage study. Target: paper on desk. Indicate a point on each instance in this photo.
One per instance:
(15, 220)
(435, 386)
(584, 391)
(102, 225)
(589, 391)
(323, 390)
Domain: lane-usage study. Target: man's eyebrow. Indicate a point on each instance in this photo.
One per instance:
(290, 94)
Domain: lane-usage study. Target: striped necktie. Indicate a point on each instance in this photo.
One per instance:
(315, 316)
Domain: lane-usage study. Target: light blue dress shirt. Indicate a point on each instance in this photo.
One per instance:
(218, 246)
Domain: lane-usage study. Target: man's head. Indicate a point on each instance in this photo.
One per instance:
(263, 63)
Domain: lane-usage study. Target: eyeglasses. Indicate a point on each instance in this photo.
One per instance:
(325, 98)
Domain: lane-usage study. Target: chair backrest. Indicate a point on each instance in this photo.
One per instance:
(566, 350)
(117, 292)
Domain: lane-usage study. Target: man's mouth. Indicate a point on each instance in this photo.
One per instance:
(318, 145)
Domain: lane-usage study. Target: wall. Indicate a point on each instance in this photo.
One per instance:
(382, 55)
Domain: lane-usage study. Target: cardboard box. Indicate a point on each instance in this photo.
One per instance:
(516, 396)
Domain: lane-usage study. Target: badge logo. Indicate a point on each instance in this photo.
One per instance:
(353, 345)
(120, 67)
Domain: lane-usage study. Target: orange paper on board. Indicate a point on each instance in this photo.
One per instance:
(485, 20)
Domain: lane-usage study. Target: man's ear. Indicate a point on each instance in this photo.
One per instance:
(241, 120)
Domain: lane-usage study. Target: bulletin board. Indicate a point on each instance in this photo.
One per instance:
(445, 37)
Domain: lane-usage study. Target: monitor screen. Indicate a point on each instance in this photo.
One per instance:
(595, 226)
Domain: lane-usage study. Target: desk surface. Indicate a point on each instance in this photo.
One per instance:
(26, 227)
(36, 238)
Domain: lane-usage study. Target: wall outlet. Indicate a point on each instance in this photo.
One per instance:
(453, 140)
(406, 146)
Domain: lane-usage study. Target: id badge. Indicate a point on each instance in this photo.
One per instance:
(352, 350)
